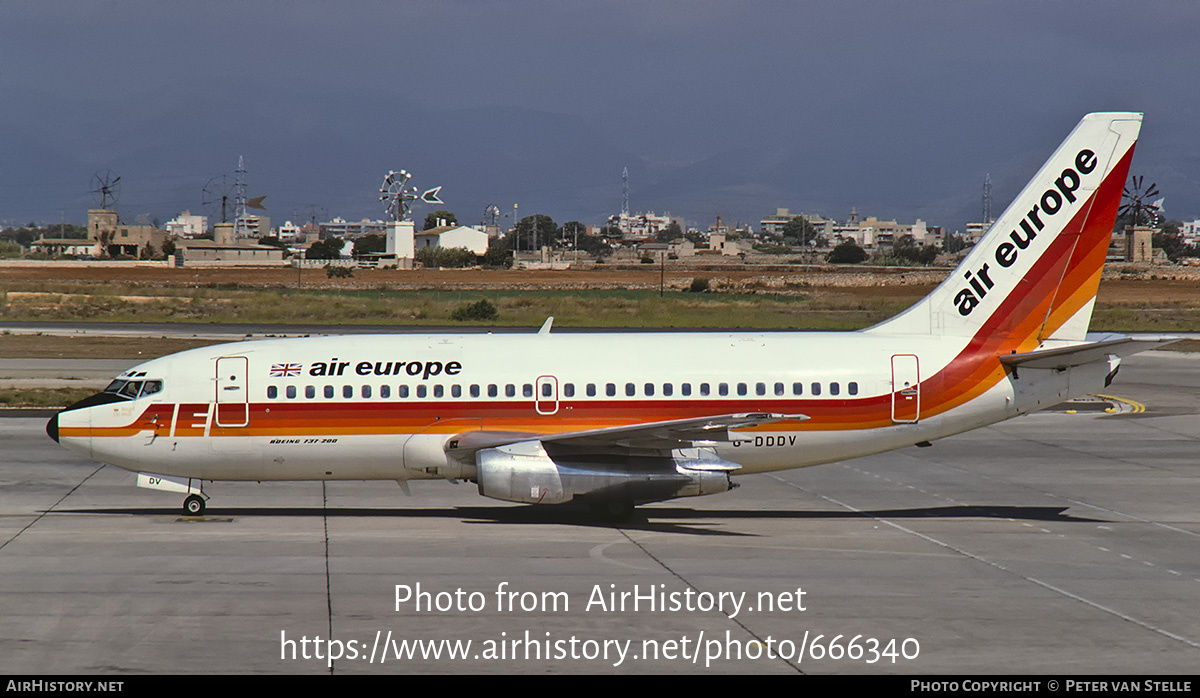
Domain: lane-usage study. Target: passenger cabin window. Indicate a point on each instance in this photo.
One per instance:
(456, 390)
(385, 391)
(402, 391)
(421, 390)
(493, 390)
(347, 391)
(779, 388)
(272, 392)
(527, 390)
(816, 388)
(474, 391)
(685, 389)
(547, 390)
(723, 389)
(310, 391)
(852, 387)
(760, 388)
(649, 388)
(291, 392)
(438, 390)
(630, 389)
(591, 390)
(568, 390)
(797, 388)
(834, 388)
(366, 391)
(329, 392)
(668, 389)
(704, 389)
(610, 389)
(510, 390)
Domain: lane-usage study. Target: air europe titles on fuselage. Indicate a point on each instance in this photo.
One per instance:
(424, 369)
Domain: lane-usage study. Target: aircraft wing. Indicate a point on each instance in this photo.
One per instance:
(1079, 354)
(652, 436)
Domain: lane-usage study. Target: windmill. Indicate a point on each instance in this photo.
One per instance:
(219, 197)
(106, 187)
(400, 197)
(1139, 207)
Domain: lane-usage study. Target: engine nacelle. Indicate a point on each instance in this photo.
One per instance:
(525, 472)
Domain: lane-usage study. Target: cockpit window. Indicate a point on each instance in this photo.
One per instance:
(131, 390)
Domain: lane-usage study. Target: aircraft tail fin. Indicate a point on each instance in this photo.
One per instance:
(1034, 274)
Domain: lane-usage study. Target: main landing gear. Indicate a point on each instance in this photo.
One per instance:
(193, 505)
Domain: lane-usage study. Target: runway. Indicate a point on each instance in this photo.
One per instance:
(1056, 543)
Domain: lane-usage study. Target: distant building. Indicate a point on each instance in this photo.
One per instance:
(718, 242)
(773, 226)
(643, 225)
(338, 228)
(289, 232)
(256, 226)
(193, 253)
(451, 236)
(117, 239)
(1189, 231)
(185, 225)
(74, 247)
(976, 231)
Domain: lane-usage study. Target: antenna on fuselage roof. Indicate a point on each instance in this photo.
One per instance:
(546, 325)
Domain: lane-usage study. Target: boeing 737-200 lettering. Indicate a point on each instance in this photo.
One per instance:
(549, 417)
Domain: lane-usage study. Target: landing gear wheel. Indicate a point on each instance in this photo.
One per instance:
(613, 510)
(193, 506)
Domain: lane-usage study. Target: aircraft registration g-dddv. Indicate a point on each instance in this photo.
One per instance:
(620, 419)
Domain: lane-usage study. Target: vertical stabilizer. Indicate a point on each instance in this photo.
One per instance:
(1034, 274)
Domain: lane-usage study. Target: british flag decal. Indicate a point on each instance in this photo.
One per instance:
(285, 370)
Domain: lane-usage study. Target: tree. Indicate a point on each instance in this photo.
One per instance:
(535, 231)
(907, 248)
(446, 257)
(799, 227)
(431, 220)
(669, 233)
(370, 244)
(329, 248)
(498, 254)
(571, 231)
(847, 253)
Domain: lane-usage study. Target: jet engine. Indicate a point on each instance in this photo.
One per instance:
(527, 472)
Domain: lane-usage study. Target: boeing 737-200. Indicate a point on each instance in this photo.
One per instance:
(620, 419)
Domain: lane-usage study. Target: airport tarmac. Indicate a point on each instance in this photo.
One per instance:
(1056, 543)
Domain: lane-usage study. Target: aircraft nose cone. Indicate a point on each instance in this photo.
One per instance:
(52, 428)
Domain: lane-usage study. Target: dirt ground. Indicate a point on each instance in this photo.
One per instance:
(1121, 290)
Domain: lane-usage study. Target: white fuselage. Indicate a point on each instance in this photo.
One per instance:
(384, 407)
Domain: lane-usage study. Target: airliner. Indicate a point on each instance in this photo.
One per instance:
(616, 420)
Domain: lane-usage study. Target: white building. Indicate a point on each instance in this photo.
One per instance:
(289, 232)
(1190, 232)
(451, 236)
(185, 225)
(642, 225)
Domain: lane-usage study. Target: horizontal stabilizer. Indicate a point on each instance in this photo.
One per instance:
(1079, 354)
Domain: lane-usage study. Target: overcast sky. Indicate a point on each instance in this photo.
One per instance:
(717, 108)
